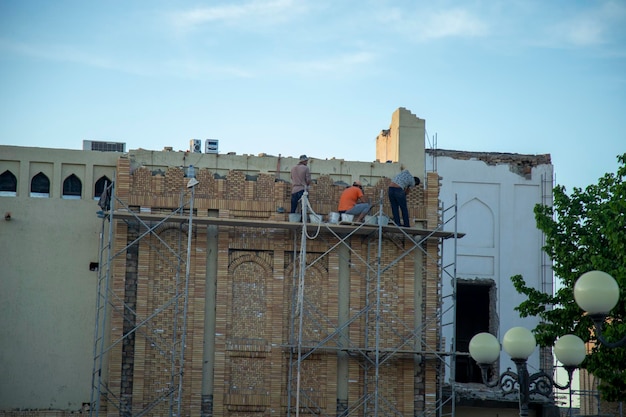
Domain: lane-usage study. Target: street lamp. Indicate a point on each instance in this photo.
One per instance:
(597, 293)
(520, 343)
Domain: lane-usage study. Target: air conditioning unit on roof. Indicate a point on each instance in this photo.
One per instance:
(195, 145)
(210, 145)
(97, 145)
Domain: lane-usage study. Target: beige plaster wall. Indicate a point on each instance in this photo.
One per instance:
(47, 292)
(409, 152)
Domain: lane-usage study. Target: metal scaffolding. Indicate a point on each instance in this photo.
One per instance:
(117, 305)
(376, 315)
(371, 356)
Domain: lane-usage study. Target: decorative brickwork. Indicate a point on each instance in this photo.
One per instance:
(247, 197)
(257, 318)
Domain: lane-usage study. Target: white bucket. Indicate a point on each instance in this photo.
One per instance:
(347, 217)
(383, 220)
(295, 217)
(333, 217)
(315, 218)
(371, 219)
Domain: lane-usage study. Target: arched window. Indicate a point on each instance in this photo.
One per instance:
(104, 181)
(8, 184)
(72, 188)
(40, 186)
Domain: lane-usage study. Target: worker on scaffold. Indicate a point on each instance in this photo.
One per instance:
(300, 181)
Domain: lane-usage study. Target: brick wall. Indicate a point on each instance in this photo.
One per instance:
(256, 287)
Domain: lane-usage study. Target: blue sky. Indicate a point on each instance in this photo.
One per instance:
(319, 77)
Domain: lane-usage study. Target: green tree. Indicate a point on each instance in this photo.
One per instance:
(584, 231)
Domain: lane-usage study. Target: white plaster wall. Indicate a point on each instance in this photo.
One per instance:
(495, 211)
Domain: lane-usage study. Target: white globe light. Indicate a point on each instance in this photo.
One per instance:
(519, 342)
(570, 350)
(484, 348)
(596, 292)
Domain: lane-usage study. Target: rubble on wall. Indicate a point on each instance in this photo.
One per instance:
(520, 164)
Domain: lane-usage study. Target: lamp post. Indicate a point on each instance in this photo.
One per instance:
(597, 292)
(520, 343)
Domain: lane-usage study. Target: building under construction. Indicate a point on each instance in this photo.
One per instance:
(212, 303)
(208, 299)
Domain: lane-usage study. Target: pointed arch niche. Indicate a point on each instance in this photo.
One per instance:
(8, 184)
(101, 184)
(40, 186)
(477, 221)
(72, 188)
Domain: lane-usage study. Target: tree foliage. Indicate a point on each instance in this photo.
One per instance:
(584, 231)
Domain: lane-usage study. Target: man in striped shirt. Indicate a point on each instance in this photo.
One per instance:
(398, 190)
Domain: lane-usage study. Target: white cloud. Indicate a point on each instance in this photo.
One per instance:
(66, 53)
(195, 69)
(453, 23)
(341, 64)
(590, 27)
(256, 12)
(585, 33)
(179, 68)
(425, 25)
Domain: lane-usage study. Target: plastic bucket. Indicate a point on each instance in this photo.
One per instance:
(315, 218)
(383, 220)
(295, 217)
(347, 217)
(371, 220)
(333, 217)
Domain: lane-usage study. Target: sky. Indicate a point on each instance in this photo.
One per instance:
(320, 77)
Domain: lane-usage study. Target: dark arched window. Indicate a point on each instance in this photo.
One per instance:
(40, 186)
(8, 184)
(72, 187)
(104, 181)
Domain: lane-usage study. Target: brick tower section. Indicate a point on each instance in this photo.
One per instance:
(256, 369)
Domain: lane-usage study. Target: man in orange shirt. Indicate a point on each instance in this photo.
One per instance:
(352, 201)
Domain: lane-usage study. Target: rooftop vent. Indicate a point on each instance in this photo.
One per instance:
(95, 145)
